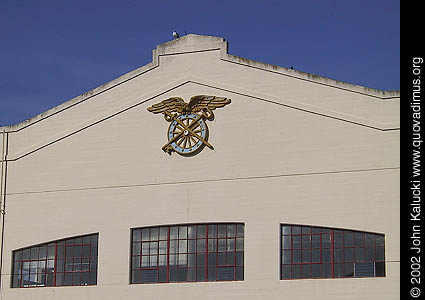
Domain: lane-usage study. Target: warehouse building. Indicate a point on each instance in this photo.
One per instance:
(204, 175)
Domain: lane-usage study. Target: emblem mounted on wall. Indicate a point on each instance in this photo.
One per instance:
(188, 131)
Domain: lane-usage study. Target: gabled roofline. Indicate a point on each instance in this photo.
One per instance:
(195, 43)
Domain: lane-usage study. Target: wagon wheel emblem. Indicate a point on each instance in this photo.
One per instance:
(188, 131)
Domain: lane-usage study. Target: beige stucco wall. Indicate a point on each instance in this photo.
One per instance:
(290, 148)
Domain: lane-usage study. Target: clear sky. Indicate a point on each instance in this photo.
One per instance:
(54, 50)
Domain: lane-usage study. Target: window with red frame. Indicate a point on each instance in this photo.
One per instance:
(188, 253)
(67, 262)
(318, 252)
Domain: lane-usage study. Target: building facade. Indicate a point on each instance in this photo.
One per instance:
(269, 184)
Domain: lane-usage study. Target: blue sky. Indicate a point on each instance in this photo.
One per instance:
(52, 51)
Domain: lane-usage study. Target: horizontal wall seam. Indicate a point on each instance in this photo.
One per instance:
(203, 181)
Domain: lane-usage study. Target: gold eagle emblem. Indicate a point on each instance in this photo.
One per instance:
(188, 131)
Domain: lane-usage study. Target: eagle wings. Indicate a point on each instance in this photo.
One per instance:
(196, 104)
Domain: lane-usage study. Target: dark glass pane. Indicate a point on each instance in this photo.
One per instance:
(286, 229)
(16, 281)
(77, 251)
(338, 255)
(201, 245)
(201, 231)
(26, 254)
(42, 252)
(145, 248)
(369, 254)
(221, 259)
(93, 265)
(60, 265)
(163, 247)
(212, 260)
(286, 272)
(239, 258)
(69, 242)
(296, 256)
(212, 231)
(338, 240)
(240, 230)
(191, 260)
(174, 234)
(221, 230)
(162, 260)
(85, 264)
(94, 238)
(326, 270)
(296, 230)
(162, 274)
(239, 273)
(145, 234)
(338, 270)
(230, 259)
(59, 279)
(316, 230)
(182, 232)
(296, 242)
(231, 230)
(163, 233)
(153, 248)
(61, 252)
(173, 274)
(172, 260)
(225, 273)
(34, 253)
(191, 232)
(306, 241)
(17, 255)
(239, 244)
(286, 256)
(315, 255)
(326, 255)
(306, 256)
(93, 250)
(316, 271)
(181, 274)
(154, 234)
(370, 239)
(359, 239)
(315, 241)
(326, 240)
(135, 262)
(306, 229)
(212, 274)
(348, 270)
(93, 278)
(86, 251)
(200, 260)
(86, 239)
(68, 279)
(153, 261)
(200, 274)
(76, 279)
(191, 273)
(326, 230)
(348, 239)
(78, 241)
(222, 245)
(380, 240)
(379, 269)
(348, 254)
(306, 271)
(69, 251)
(380, 253)
(212, 245)
(296, 271)
(182, 259)
(359, 253)
(85, 278)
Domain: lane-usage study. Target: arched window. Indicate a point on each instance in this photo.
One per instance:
(67, 262)
(187, 253)
(318, 252)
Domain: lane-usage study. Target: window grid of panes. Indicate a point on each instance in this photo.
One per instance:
(188, 253)
(67, 262)
(317, 252)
